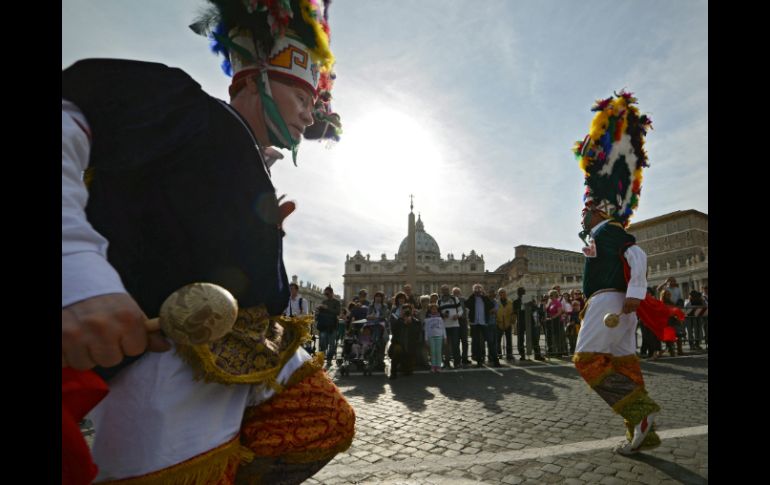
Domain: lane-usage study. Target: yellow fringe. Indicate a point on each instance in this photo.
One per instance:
(587, 356)
(204, 362)
(625, 359)
(203, 469)
(306, 369)
(598, 379)
(88, 177)
(310, 367)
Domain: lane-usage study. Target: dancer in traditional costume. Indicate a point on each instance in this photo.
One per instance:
(612, 157)
(178, 183)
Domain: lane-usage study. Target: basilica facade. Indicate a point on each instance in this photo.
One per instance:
(676, 245)
(418, 262)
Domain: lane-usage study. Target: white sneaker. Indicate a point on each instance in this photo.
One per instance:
(624, 448)
(641, 430)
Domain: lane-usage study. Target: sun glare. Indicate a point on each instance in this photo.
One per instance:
(392, 150)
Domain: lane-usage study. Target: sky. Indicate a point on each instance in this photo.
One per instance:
(473, 107)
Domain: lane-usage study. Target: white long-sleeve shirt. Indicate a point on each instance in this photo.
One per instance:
(85, 270)
(434, 327)
(637, 260)
(297, 306)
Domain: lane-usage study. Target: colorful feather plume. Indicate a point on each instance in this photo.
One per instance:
(267, 20)
(612, 156)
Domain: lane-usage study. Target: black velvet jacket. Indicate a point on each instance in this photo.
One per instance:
(179, 187)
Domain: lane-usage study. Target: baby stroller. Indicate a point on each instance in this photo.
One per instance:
(379, 341)
(362, 347)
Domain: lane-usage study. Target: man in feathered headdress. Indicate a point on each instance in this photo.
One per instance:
(178, 183)
(614, 280)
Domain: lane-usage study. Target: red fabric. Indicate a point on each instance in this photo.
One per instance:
(653, 313)
(80, 392)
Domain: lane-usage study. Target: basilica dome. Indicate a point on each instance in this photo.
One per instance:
(425, 244)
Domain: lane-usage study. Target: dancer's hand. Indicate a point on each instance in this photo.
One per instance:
(631, 304)
(104, 329)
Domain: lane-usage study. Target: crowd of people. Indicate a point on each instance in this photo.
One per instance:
(433, 331)
(693, 330)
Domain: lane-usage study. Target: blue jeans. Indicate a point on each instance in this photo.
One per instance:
(328, 344)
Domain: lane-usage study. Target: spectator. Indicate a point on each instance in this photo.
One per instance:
(450, 309)
(326, 322)
(525, 312)
(378, 311)
(361, 308)
(578, 295)
(410, 298)
(676, 292)
(399, 300)
(422, 307)
(463, 326)
(435, 334)
(421, 357)
(505, 318)
(665, 297)
(342, 323)
(694, 306)
(404, 341)
(651, 347)
(554, 331)
(479, 308)
(573, 326)
(379, 314)
(362, 297)
(297, 305)
(490, 331)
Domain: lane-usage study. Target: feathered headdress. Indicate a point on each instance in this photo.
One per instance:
(285, 38)
(612, 157)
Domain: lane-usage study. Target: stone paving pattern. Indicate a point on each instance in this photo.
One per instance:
(467, 426)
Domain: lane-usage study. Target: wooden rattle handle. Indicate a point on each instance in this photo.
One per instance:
(152, 325)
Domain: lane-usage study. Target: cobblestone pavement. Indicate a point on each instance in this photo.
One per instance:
(527, 423)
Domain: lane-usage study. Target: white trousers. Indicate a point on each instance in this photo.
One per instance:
(156, 416)
(595, 336)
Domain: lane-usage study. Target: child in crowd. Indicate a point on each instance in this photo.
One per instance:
(435, 336)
